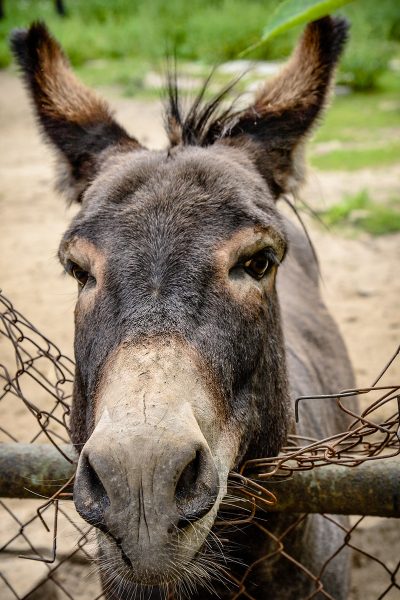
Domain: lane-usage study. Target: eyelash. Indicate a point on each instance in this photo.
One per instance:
(256, 271)
(79, 274)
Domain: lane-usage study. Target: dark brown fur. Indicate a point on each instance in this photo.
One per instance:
(159, 229)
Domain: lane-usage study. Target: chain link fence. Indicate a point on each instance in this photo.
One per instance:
(48, 552)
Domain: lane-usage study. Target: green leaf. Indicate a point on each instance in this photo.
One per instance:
(290, 13)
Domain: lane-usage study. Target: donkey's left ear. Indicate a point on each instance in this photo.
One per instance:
(73, 118)
(274, 128)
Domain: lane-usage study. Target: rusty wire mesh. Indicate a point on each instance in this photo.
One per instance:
(35, 393)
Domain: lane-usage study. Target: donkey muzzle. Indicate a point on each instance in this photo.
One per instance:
(149, 477)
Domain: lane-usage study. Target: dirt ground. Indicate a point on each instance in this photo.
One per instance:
(360, 277)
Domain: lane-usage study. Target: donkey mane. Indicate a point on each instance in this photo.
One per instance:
(202, 122)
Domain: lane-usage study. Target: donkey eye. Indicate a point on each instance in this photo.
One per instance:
(77, 273)
(258, 265)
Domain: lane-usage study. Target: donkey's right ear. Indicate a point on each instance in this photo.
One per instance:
(73, 118)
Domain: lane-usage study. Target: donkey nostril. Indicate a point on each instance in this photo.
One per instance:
(90, 497)
(98, 489)
(197, 489)
(186, 483)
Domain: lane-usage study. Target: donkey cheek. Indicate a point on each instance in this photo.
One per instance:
(84, 306)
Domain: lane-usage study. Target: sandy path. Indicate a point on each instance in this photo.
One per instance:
(360, 276)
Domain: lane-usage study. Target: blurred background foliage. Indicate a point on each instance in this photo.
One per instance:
(211, 31)
(125, 43)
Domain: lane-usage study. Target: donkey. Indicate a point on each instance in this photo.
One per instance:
(189, 347)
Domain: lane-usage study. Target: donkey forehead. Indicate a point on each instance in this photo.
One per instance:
(184, 176)
(206, 192)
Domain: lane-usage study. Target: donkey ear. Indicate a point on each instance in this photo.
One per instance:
(274, 128)
(73, 118)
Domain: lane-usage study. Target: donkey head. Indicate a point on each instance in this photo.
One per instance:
(180, 366)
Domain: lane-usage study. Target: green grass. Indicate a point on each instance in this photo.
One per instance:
(210, 31)
(366, 124)
(361, 116)
(207, 30)
(125, 73)
(361, 213)
(351, 159)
